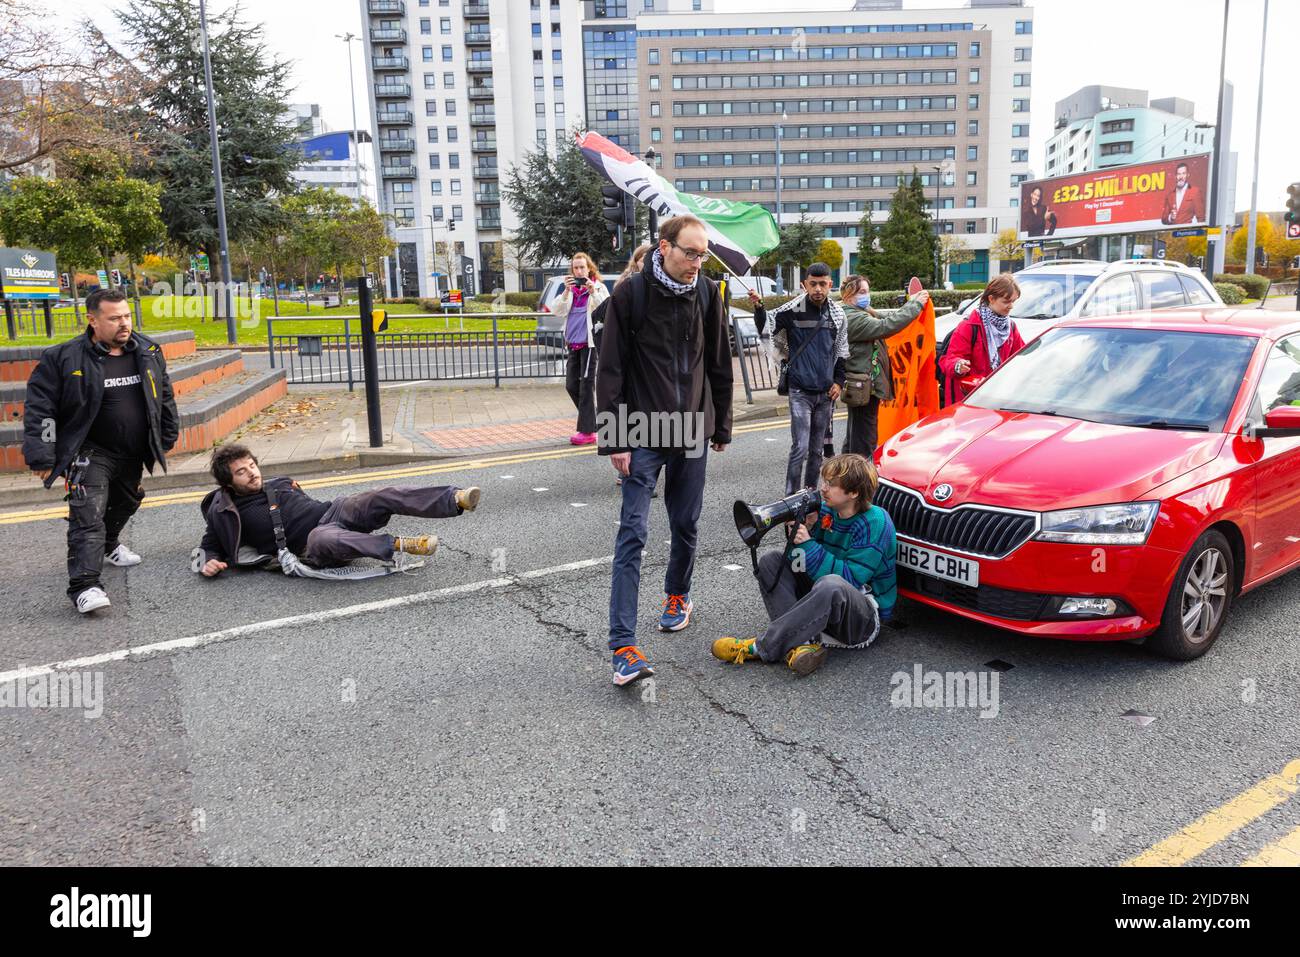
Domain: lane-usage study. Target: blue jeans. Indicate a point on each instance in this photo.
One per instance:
(810, 414)
(684, 498)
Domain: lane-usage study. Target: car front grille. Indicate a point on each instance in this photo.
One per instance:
(977, 531)
(987, 600)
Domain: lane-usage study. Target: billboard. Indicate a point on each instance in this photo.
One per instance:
(1143, 197)
(329, 146)
(28, 274)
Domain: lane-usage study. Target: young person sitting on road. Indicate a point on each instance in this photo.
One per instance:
(241, 529)
(837, 577)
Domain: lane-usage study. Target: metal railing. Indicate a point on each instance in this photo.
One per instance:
(756, 370)
(448, 355)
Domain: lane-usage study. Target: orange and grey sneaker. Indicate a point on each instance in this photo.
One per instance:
(735, 650)
(805, 659)
(630, 665)
(416, 544)
(467, 498)
(677, 613)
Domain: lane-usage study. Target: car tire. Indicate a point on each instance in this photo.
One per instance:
(1210, 557)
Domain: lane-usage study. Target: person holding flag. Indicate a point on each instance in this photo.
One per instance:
(869, 377)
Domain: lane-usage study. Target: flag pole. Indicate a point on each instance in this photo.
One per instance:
(723, 264)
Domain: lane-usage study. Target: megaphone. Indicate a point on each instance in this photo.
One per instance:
(755, 521)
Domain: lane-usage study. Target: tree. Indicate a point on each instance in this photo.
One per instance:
(251, 90)
(953, 251)
(829, 252)
(57, 90)
(1281, 251)
(906, 239)
(799, 243)
(557, 198)
(1264, 234)
(1007, 247)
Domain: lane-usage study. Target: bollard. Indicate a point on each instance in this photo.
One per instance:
(48, 309)
(370, 361)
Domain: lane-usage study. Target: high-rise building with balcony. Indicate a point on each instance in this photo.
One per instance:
(853, 99)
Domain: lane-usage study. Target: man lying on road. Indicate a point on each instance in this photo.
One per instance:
(251, 521)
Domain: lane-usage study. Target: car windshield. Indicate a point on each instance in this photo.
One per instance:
(1048, 295)
(1140, 377)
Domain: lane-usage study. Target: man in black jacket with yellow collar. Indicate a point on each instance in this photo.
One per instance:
(99, 409)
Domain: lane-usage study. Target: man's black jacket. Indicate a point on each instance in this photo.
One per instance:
(224, 528)
(66, 389)
(674, 357)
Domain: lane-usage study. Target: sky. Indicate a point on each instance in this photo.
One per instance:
(1168, 47)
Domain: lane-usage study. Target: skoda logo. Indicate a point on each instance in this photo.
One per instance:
(943, 492)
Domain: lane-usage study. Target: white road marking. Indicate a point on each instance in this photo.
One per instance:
(578, 504)
(542, 488)
(506, 476)
(292, 621)
(731, 568)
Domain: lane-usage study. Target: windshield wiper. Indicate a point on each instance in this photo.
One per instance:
(1038, 315)
(1174, 426)
(1029, 411)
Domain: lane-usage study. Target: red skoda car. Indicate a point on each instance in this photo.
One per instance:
(1120, 478)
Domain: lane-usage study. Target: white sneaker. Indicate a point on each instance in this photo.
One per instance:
(123, 557)
(92, 599)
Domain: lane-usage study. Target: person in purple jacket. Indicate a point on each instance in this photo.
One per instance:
(583, 292)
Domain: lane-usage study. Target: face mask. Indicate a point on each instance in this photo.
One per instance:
(863, 301)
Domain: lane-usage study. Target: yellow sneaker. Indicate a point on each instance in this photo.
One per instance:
(467, 498)
(805, 659)
(735, 650)
(416, 544)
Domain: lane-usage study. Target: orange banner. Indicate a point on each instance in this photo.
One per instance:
(916, 390)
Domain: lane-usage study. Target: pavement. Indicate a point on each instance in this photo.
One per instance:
(313, 431)
(463, 713)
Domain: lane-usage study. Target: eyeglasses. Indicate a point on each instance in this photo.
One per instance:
(692, 255)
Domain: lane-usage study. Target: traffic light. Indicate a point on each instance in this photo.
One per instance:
(612, 207)
(1293, 203)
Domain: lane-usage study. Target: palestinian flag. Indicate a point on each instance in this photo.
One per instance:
(739, 233)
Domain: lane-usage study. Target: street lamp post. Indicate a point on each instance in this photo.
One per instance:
(1212, 213)
(224, 243)
(352, 88)
(780, 137)
(938, 178)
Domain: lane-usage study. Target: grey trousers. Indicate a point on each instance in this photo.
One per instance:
(810, 415)
(801, 612)
(344, 531)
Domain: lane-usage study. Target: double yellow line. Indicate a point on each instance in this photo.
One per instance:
(1217, 825)
(361, 477)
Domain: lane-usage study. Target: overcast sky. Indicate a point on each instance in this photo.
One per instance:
(1168, 47)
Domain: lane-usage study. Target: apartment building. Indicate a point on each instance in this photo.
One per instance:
(854, 99)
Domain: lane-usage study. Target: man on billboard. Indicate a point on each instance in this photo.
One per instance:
(1184, 203)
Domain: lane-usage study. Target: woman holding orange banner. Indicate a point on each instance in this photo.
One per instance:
(984, 340)
(870, 378)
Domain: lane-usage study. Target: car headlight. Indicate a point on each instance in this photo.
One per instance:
(1126, 524)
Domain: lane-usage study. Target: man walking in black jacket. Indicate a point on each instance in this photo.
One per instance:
(663, 395)
(99, 409)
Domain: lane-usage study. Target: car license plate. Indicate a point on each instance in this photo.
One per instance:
(963, 571)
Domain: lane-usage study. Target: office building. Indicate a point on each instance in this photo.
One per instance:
(1101, 126)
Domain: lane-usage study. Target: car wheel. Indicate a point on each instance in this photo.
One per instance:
(1199, 601)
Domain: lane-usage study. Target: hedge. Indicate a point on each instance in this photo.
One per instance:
(1230, 293)
(1255, 286)
(529, 300)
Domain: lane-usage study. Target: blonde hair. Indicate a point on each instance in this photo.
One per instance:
(850, 285)
(852, 473)
(638, 253)
(592, 271)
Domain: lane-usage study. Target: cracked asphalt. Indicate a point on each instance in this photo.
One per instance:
(480, 726)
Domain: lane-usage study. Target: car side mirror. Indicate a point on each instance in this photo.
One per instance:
(1282, 422)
